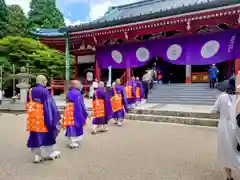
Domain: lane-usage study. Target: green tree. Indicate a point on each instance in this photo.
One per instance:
(44, 14)
(32, 53)
(17, 21)
(3, 18)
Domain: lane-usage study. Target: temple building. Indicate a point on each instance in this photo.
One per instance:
(147, 22)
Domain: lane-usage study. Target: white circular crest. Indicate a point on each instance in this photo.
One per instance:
(174, 52)
(117, 56)
(210, 49)
(142, 54)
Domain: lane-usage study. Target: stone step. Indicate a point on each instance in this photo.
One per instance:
(184, 90)
(181, 96)
(179, 113)
(183, 85)
(138, 111)
(175, 119)
(182, 102)
(192, 99)
(189, 118)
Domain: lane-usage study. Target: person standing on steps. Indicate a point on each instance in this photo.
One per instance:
(102, 110)
(213, 71)
(43, 122)
(75, 115)
(119, 103)
(228, 131)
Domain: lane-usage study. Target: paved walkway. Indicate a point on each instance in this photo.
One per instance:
(137, 151)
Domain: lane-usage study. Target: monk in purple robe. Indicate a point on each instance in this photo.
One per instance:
(119, 102)
(130, 90)
(102, 110)
(75, 115)
(139, 90)
(43, 122)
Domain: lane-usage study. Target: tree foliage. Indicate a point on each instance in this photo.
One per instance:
(25, 51)
(17, 21)
(44, 14)
(3, 18)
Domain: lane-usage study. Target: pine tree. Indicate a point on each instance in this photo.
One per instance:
(44, 14)
(17, 21)
(3, 18)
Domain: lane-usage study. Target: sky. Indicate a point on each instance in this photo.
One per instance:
(78, 11)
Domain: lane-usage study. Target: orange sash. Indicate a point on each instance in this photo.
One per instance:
(116, 101)
(35, 115)
(128, 90)
(138, 94)
(98, 107)
(68, 117)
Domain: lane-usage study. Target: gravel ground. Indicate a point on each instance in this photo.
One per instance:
(136, 151)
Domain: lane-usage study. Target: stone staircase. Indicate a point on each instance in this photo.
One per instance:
(192, 94)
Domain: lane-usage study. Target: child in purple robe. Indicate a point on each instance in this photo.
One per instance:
(102, 110)
(75, 115)
(130, 90)
(43, 122)
(119, 103)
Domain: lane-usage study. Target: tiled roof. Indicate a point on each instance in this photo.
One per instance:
(143, 10)
(47, 32)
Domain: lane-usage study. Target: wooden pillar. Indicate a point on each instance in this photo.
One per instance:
(128, 73)
(75, 67)
(188, 74)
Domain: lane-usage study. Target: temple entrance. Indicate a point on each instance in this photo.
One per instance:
(116, 73)
(83, 69)
(171, 73)
(226, 70)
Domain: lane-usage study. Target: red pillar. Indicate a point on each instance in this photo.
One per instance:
(76, 67)
(128, 73)
(97, 72)
(237, 66)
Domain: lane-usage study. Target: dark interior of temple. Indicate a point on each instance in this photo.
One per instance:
(171, 73)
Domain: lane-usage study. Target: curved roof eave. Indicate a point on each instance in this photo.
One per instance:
(48, 33)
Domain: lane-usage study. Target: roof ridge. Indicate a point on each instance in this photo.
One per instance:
(138, 3)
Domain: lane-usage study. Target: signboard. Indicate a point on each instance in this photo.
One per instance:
(86, 59)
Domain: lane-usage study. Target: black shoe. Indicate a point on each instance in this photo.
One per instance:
(230, 179)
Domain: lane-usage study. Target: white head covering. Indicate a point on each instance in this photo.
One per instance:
(108, 84)
(95, 84)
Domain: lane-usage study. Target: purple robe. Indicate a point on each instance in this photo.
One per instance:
(51, 118)
(80, 113)
(139, 84)
(102, 94)
(133, 84)
(121, 113)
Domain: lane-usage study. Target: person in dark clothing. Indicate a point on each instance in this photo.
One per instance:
(145, 84)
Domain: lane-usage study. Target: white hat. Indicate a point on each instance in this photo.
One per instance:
(108, 84)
